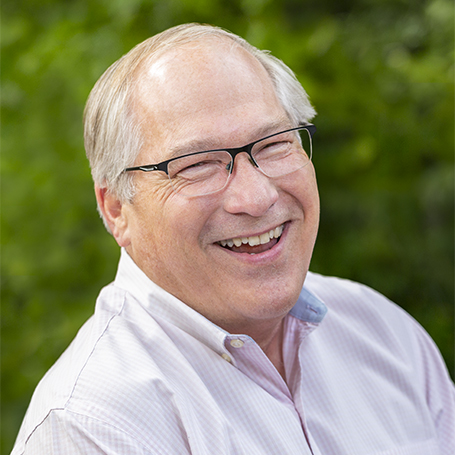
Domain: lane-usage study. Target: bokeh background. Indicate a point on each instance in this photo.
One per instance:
(380, 74)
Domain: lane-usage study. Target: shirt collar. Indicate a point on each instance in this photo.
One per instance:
(309, 308)
(161, 304)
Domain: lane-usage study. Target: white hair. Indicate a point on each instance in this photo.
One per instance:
(112, 132)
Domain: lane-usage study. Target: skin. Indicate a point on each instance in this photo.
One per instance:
(198, 97)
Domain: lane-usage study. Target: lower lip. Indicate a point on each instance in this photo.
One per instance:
(266, 256)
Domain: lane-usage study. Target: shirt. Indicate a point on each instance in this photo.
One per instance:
(149, 375)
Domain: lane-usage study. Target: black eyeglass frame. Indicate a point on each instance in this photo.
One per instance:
(163, 166)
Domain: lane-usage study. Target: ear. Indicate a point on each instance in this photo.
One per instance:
(114, 214)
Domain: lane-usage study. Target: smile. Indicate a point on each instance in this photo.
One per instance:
(254, 244)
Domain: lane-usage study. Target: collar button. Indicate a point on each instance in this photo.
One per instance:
(237, 343)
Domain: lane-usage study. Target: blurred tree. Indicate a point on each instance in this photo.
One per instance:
(380, 73)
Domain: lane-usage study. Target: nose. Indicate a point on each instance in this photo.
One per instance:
(249, 190)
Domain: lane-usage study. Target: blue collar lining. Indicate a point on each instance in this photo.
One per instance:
(309, 308)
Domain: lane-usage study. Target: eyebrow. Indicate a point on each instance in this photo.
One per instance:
(207, 144)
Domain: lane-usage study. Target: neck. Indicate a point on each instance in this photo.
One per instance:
(273, 349)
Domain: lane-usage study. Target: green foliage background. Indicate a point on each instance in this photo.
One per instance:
(380, 73)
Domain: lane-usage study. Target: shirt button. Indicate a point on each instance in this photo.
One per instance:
(237, 343)
(226, 357)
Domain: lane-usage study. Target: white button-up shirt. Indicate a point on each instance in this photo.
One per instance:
(149, 375)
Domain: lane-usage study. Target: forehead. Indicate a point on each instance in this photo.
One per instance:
(208, 59)
(209, 91)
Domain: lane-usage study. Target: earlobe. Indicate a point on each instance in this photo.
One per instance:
(114, 215)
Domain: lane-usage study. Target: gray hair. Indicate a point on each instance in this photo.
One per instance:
(112, 134)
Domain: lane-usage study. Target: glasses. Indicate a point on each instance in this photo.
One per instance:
(202, 173)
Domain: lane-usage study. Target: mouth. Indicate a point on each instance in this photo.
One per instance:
(255, 244)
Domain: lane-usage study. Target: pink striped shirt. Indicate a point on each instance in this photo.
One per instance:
(148, 375)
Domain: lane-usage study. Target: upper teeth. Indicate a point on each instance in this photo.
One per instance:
(255, 239)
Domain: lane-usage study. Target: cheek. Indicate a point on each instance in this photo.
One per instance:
(310, 190)
(147, 221)
(302, 187)
(171, 224)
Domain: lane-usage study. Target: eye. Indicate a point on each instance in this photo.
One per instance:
(201, 163)
(198, 167)
(276, 144)
(272, 149)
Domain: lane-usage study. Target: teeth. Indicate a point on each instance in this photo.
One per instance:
(254, 240)
(264, 238)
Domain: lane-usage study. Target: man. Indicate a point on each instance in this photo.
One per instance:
(208, 341)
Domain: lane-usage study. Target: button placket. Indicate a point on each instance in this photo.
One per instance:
(226, 357)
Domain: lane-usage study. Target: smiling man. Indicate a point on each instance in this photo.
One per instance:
(214, 338)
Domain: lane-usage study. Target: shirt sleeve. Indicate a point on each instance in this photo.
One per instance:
(66, 433)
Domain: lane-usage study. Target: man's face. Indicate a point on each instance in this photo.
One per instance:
(205, 98)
